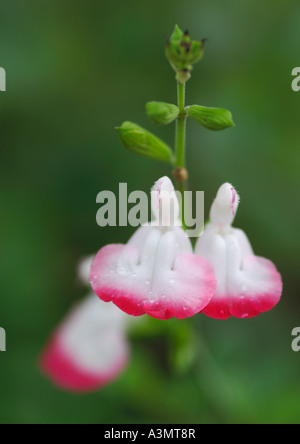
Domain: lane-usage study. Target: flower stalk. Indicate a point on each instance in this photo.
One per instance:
(181, 127)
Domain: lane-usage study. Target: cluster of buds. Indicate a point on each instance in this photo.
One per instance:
(183, 52)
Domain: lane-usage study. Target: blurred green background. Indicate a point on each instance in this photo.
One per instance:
(75, 70)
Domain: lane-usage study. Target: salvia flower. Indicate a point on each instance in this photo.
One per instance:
(156, 273)
(247, 285)
(90, 347)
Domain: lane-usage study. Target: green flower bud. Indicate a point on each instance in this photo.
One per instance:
(214, 119)
(162, 113)
(140, 141)
(182, 52)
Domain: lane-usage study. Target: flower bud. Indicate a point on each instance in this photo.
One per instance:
(140, 141)
(164, 203)
(225, 206)
(214, 119)
(183, 52)
(162, 113)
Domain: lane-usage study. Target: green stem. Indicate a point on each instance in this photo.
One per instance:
(181, 138)
(181, 127)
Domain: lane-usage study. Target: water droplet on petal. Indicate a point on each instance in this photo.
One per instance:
(122, 271)
(245, 315)
(153, 304)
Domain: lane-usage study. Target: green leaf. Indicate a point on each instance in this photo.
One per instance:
(162, 113)
(215, 119)
(141, 141)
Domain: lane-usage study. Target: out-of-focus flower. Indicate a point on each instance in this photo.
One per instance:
(247, 285)
(156, 273)
(90, 347)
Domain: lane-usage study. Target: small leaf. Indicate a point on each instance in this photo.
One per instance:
(141, 141)
(162, 113)
(215, 119)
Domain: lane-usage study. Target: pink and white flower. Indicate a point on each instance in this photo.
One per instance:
(90, 348)
(156, 273)
(247, 285)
